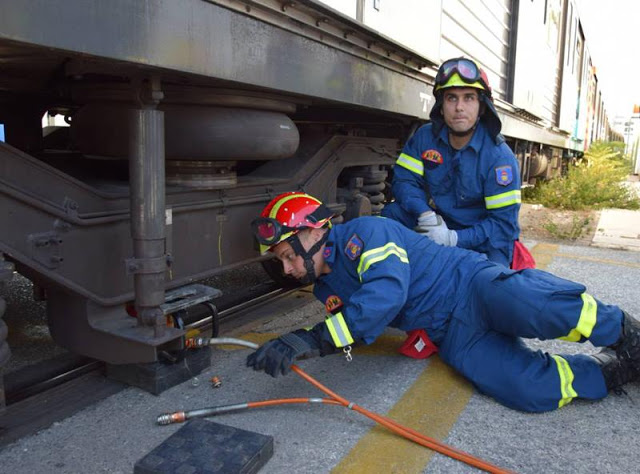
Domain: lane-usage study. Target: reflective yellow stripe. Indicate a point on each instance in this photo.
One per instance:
(375, 255)
(410, 163)
(587, 320)
(502, 200)
(566, 381)
(339, 331)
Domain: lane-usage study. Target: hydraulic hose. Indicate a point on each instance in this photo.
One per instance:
(333, 399)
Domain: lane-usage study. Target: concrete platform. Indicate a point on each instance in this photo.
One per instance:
(618, 228)
(583, 436)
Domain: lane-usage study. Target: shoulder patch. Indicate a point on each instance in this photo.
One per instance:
(353, 249)
(333, 304)
(328, 250)
(504, 175)
(432, 155)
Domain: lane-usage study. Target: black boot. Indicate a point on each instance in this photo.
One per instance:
(616, 372)
(628, 346)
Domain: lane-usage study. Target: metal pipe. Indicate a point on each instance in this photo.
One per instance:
(229, 341)
(147, 204)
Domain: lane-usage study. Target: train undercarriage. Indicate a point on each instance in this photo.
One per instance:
(182, 120)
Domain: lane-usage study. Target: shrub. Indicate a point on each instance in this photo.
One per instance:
(596, 181)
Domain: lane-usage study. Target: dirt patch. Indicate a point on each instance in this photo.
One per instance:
(540, 223)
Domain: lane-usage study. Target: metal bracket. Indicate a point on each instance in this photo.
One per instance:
(187, 296)
(70, 207)
(46, 248)
(148, 265)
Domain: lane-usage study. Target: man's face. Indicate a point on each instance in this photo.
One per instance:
(293, 264)
(460, 108)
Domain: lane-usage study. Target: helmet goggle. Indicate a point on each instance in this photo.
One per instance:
(467, 71)
(269, 231)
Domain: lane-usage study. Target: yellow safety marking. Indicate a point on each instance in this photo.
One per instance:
(431, 405)
(544, 253)
(599, 260)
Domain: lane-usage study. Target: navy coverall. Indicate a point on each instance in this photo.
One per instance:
(476, 190)
(383, 274)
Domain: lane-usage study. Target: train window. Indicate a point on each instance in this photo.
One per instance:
(1, 132)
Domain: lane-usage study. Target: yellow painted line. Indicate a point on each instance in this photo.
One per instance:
(619, 263)
(544, 253)
(431, 405)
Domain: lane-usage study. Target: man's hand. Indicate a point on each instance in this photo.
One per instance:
(426, 219)
(276, 356)
(440, 233)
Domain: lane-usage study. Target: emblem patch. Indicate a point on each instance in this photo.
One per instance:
(354, 247)
(433, 156)
(333, 304)
(328, 250)
(504, 175)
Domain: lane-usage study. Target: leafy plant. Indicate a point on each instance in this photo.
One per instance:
(574, 231)
(596, 181)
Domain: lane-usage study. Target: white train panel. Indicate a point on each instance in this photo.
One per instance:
(412, 23)
(536, 73)
(479, 30)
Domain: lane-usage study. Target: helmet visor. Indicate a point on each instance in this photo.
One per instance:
(268, 231)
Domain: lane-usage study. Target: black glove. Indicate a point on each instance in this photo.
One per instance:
(276, 356)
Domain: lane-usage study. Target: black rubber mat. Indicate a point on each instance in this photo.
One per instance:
(202, 446)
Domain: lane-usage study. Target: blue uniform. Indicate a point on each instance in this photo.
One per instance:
(383, 274)
(476, 190)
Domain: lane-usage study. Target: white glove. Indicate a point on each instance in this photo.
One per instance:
(441, 234)
(426, 219)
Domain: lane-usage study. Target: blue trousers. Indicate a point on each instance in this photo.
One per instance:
(483, 338)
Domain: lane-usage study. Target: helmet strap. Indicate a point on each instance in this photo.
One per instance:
(307, 256)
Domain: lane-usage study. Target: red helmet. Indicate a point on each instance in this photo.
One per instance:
(286, 215)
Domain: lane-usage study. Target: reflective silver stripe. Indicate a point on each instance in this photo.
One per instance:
(410, 163)
(339, 331)
(502, 200)
(375, 255)
(566, 381)
(587, 320)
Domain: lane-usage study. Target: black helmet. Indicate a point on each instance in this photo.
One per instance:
(463, 72)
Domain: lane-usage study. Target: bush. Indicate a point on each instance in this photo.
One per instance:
(596, 181)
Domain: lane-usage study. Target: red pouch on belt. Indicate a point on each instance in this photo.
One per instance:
(418, 345)
(522, 258)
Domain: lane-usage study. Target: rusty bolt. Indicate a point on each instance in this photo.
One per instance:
(215, 382)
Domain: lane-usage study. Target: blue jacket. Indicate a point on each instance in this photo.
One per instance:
(476, 190)
(383, 274)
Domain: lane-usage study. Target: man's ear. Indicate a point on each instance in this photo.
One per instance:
(316, 234)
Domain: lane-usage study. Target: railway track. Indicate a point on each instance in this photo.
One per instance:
(52, 390)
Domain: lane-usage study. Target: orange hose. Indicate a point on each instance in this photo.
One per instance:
(408, 433)
(283, 401)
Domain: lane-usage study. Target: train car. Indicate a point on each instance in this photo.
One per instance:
(184, 117)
